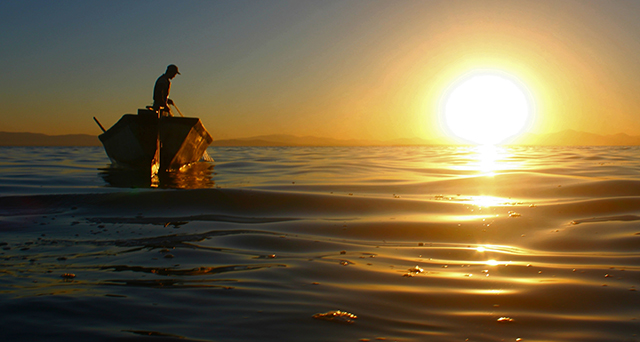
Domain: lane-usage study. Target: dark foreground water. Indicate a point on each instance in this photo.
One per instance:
(323, 244)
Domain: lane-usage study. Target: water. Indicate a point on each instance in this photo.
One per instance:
(323, 244)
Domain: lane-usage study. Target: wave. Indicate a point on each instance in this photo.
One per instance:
(531, 253)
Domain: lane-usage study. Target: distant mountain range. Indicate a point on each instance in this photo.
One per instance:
(291, 140)
(564, 138)
(36, 139)
(576, 138)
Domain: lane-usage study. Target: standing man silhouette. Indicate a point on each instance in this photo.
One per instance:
(161, 100)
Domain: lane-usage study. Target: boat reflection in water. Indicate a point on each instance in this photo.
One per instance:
(198, 175)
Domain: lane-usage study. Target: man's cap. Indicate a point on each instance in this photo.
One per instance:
(173, 67)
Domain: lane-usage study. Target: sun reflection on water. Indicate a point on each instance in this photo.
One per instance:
(486, 159)
(487, 201)
(492, 262)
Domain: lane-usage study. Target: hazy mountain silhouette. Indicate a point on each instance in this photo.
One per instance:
(36, 139)
(563, 138)
(291, 140)
(576, 138)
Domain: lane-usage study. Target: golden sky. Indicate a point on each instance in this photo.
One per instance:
(339, 69)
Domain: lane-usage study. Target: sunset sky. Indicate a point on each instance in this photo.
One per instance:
(339, 69)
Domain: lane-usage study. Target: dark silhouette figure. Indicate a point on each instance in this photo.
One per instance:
(161, 100)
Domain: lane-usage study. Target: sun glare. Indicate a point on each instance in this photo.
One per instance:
(486, 109)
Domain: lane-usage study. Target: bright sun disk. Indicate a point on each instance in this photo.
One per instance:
(486, 109)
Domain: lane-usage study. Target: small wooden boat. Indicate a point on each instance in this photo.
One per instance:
(147, 142)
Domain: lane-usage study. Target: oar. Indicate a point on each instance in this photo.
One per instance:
(178, 109)
(98, 122)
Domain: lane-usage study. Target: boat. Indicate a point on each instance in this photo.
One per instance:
(158, 144)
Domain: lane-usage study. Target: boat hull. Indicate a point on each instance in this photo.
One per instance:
(182, 141)
(146, 142)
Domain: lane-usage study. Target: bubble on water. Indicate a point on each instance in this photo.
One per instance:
(413, 271)
(505, 319)
(269, 256)
(337, 316)
(416, 269)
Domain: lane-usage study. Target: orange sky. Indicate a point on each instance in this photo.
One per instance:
(340, 69)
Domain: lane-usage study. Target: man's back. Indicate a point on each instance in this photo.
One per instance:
(161, 92)
(162, 88)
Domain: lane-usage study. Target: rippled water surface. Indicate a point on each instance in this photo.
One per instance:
(323, 244)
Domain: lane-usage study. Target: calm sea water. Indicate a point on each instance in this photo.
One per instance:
(323, 244)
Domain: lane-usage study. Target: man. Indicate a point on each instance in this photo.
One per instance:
(161, 100)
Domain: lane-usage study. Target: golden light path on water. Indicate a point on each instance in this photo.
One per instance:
(487, 161)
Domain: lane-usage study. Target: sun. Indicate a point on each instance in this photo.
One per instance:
(486, 108)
